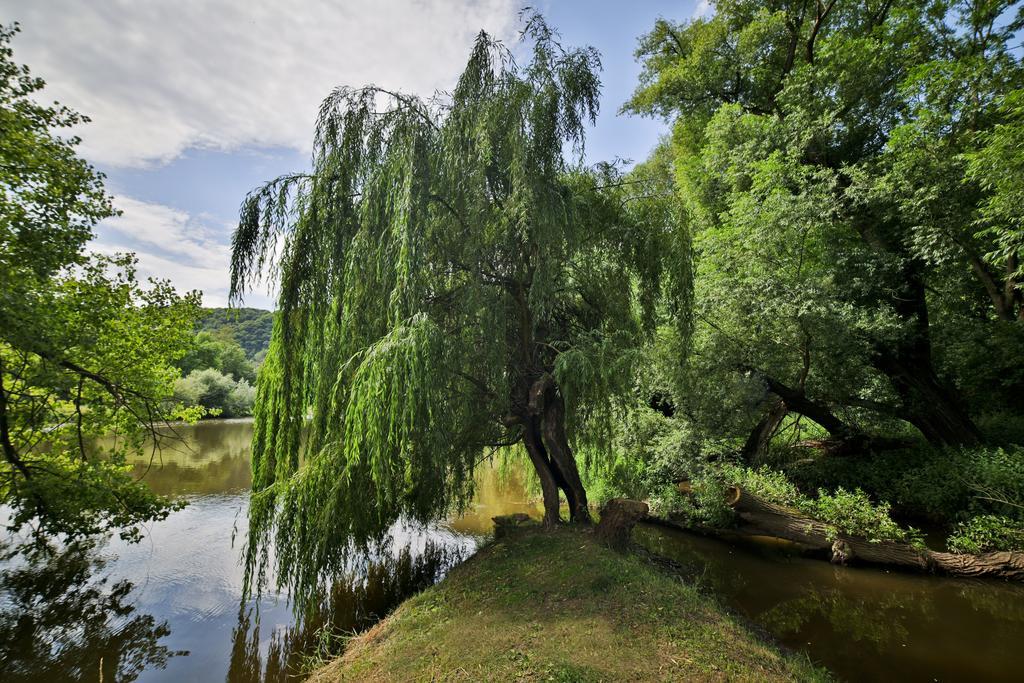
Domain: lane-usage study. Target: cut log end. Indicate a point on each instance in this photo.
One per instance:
(842, 553)
(618, 517)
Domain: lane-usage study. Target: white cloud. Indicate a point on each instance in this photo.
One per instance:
(172, 244)
(703, 9)
(158, 77)
(169, 230)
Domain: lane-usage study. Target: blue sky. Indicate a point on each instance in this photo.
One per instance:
(194, 102)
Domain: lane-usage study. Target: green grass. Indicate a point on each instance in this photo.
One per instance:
(557, 606)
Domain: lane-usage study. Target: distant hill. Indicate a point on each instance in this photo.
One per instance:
(250, 327)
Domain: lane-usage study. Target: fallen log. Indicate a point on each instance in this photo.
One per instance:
(759, 517)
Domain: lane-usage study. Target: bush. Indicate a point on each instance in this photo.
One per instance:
(222, 354)
(852, 512)
(218, 393)
(845, 511)
(939, 485)
(987, 532)
(241, 399)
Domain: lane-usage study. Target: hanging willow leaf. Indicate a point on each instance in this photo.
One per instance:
(432, 268)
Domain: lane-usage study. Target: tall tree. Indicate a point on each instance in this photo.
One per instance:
(84, 349)
(820, 155)
(449, 283)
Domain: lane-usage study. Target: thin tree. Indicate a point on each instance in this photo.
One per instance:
(449, 283)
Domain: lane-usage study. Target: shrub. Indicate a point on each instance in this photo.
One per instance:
(941, 485)
(217, 392)
(240, 399)
(987, 532)
(844, 511)
(852, 512)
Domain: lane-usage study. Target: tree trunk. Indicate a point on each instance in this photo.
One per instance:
(618, 517)
(542, 465)
(547, 400)
(796, 401)
(934, 409)
(756, 446)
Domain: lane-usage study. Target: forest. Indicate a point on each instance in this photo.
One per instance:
(800, 316)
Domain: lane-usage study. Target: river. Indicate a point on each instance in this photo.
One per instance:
(168, 608)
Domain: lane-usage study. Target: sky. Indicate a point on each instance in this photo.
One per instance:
(195, 102)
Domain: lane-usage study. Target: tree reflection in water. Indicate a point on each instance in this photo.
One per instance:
(352, 604)
(881, 621)
(60, 619)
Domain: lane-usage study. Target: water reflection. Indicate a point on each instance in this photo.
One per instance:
(61, 619)
(190, 574)
(863, 624)
(500, 488)
(354, 603)
(210, 457)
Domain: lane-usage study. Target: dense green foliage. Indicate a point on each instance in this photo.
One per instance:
(217, 376)
(850, 266)
(219, 370)
(85, 350)
(250, 328)
(987, 532)
(220, 353)
(850, 174)
(221, 395)
(449, 283)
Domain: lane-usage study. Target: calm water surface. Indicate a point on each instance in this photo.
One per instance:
(168, 609)
(863, 624)
(134, 611)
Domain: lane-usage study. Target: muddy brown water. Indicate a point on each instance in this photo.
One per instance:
(169, 608)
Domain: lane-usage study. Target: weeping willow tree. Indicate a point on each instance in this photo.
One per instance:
(449, 283)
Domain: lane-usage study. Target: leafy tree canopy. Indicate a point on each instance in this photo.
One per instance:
(250, 327)
(450, 283)
(219, 394)
(849, 174)
(84, 349)
(222, 353)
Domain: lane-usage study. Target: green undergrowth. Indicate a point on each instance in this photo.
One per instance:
(938, 485)
(557, 606)
(844, 511)
(987, 533)
(975, 493)
(974, 497)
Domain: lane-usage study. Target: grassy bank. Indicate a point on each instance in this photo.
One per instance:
(556, 606)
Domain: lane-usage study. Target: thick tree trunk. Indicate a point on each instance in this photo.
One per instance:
(618, 517)
(546, 405)
(796, 401)
(542, 465)
(553, 430)
(934, 409)
(539, 406)
(756, 446)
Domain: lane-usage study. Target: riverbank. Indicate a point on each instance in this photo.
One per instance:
(558, 606)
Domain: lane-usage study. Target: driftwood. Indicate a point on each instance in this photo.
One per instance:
(759, 517)
(618, 517)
